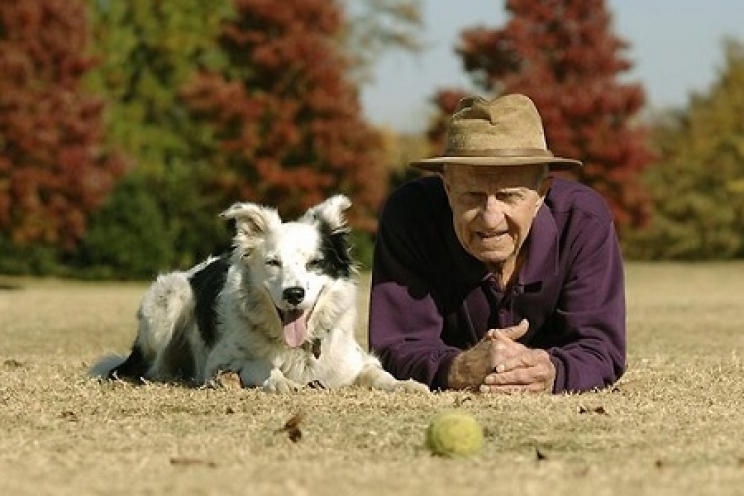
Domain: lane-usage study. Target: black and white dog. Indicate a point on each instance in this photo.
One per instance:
(280, 311)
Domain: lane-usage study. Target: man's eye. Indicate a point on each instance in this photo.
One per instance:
(472, 197)
(273, 262)
(510, 196)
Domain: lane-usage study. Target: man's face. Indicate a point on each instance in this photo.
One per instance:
(493, 208)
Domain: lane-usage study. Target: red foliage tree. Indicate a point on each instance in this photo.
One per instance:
(53, 171)
(562, 54)
(288, 120)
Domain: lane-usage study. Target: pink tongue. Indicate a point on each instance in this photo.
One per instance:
(295, 330)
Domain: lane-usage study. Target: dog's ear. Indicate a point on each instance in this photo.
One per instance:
(330, 212)
(252, 222)
(328, 218)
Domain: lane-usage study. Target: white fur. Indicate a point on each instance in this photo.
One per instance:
(269, 257)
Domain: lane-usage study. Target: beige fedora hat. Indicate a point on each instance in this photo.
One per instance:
(505, 131)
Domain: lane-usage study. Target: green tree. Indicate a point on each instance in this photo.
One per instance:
(54, 170)
(140, 250)
(151, 49)
(697, 183)
(563, 54)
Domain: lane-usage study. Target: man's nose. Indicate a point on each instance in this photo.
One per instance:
(493, 211)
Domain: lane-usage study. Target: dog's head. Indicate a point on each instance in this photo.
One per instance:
(293, 261)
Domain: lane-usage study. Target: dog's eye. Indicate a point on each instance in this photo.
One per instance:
(315, 264)
(273, 262)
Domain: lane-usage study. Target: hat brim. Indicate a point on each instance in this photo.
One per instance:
(436, 164)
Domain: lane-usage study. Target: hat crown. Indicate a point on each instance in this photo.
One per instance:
(507, 131)
(511, 122)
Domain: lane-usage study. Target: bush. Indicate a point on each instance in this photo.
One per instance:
(127, 238)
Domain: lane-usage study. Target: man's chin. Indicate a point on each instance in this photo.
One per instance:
(493, 257)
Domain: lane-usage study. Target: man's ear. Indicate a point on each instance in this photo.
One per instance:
(545, 185)
(447, 185)
(542, 191)
(443, 177)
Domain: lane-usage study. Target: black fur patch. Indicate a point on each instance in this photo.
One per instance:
(207, 284)
(178, 359)
(134, 367)
(336, 249)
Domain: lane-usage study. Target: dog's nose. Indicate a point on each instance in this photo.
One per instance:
(294, 295)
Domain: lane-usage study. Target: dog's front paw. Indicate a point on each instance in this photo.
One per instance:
(411, 386)
(278, 383)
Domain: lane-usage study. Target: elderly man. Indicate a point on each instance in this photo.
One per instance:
(491, 275)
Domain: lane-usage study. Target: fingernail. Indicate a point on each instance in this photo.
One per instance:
(484, 389)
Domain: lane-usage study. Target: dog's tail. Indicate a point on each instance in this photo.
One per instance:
(103, 368)
(132, 368)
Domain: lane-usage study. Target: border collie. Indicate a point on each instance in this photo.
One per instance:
(279, 311)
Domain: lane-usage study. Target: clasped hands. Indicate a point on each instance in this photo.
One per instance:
(499, 364)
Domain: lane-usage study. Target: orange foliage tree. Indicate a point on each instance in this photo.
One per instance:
(53, 171)
(288, 121)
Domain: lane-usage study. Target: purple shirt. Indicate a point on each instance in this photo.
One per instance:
(430, 299)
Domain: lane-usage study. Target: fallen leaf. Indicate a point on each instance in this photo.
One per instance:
(461, 400)
(600, 410)
(228, 380)
(539, 455)
(68, 415)
(292, 427)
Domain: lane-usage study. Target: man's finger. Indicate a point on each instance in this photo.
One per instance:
(515, 377)
(513, 333)
(522, 360)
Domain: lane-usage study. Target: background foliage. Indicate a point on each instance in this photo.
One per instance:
(53, 171)
(698, 184)
(287, 119)
(126, 127)
(149, 51)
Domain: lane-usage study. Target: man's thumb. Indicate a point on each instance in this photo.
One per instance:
(517, 331)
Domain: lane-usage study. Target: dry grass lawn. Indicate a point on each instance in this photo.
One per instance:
(673, 425)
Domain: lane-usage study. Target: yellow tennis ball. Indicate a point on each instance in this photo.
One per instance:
(454, 433)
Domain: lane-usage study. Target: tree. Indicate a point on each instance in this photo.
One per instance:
(697, 183)
(53, 168)
(287, 118)
(562, 54)
(127, 241)
(151, 49)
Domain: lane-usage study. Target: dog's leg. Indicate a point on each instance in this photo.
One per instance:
(279, 383)
(253, 373)
(374, 376)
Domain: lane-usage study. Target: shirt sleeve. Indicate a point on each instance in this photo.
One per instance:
(405, 324)
(591, 311)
